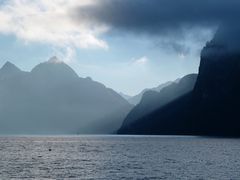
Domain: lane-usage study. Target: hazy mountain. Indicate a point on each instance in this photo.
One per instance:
(137, 98)
(9, 70)
(53, 99)
(212, 108)
(125, 96)
(153, 100)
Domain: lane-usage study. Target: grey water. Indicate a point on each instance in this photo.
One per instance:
(119, 157)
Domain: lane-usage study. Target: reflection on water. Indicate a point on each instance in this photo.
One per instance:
(118, 157)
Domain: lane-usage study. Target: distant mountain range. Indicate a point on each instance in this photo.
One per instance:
(125, 96)
(137, 98)
(153, 100)
(53, 99)
(212, 107)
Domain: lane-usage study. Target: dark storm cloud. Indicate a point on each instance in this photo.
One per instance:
(172, 19)
(174, 46)
(161, 16)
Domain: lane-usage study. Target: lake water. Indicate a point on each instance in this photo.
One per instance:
(119, 157)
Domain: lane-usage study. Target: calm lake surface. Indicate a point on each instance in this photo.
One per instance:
(119, 157)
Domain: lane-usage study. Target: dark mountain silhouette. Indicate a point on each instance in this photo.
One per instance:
(53, 99)
(212, 108)
(137, 98)
(171, 119)
(216, 96)
(153, 100)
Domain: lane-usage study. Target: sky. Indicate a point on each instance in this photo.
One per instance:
(126, 45)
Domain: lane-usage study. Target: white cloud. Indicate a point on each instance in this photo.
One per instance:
(49, 21)
(141, 61)
(67, 54)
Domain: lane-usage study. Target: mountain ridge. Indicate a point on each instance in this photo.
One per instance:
(52, 98)
(137, 98)
(152, 100)
(212, 107)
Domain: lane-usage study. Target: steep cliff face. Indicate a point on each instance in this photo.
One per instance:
(216, 95)
(213, 107)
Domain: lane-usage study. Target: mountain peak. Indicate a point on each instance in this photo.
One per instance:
(54, 68)
(9, 70)
(54, 60)
(10, 67)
